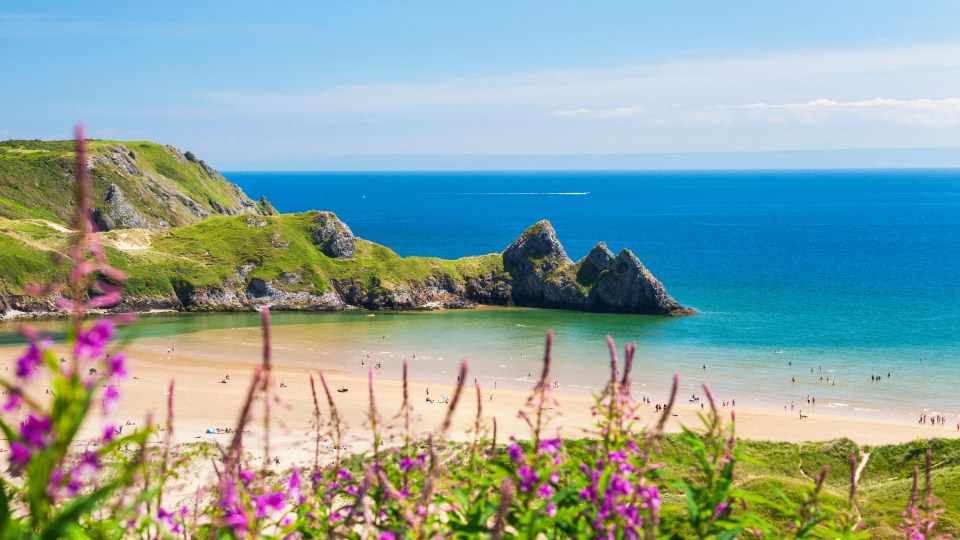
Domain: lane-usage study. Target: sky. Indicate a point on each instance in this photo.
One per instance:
(302, 85)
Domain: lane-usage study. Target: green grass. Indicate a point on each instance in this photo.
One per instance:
(771, 470)
(211, 252)
(36, 181)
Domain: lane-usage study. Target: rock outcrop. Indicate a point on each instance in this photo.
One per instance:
(313, 262)
(332, 236)
(542, 275)
(117, 213)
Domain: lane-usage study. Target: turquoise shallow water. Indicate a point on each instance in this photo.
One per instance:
(854, 271)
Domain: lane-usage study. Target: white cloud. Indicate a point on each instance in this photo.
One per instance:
(734, 103)
(924, 113)
(619, 112)
(910, 112)
(628, 90)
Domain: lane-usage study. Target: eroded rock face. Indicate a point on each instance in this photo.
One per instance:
(117, 213)
(599, 260)
(532, 257)
(332, 236)
(541, 275)
(628, 287)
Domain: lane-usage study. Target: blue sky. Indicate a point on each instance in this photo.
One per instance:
(292, 84)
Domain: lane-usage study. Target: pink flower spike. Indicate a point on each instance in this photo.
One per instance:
(91, 344)
(110, 398)
(117, 365)
(13, 401)
(30, 361)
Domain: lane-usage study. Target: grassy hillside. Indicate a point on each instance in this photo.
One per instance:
(161, 184)
(772, 470)
(225, 249)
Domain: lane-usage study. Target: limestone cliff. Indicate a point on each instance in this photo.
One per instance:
(135, 185)
(542, 275)
(312, 261)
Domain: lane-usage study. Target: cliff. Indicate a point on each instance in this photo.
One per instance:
(312, 261)
(542, 275)
(190, 240)
(135, 185)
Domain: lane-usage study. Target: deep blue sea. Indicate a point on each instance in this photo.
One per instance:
(855, 271)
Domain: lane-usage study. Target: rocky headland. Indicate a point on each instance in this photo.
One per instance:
(190, 240)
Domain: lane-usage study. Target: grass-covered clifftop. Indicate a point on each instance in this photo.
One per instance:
(135, 183)
(214, 263)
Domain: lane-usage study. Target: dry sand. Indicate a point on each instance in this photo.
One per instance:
(201, 401)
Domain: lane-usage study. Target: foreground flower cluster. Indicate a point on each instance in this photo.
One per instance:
(614, 486)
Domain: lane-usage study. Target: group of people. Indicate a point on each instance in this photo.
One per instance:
(933, 420)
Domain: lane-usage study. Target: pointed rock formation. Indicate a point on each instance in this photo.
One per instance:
(542, 275)
(531, 260)
(628, 287)
(599, 260)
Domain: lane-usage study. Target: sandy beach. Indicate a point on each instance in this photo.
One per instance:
(199, 362)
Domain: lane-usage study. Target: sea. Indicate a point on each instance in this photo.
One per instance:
(811, 283)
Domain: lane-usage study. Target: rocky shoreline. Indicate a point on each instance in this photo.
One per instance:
(536, 273)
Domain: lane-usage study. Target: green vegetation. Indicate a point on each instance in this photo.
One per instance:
(160, 183)
(217, 250)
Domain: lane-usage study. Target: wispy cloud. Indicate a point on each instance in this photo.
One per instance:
(910, 112)
(928, 113)
(619, 112)
(690, 87)
(754, 102)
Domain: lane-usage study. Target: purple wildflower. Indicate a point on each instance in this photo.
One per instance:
(31, 360)
(620, 456)
(270, 502)
(35, 432)
(13, 400)
(110, 398)
(545, 491)
(91, 344)
(721, 509)
(516, 454)
(528, 477)
(89, 464)
(246, 476)
(293, 486)
(651, 497)
(117, 365)
(109, 431)
(551, 446)
(387, 535)
(19, 454)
